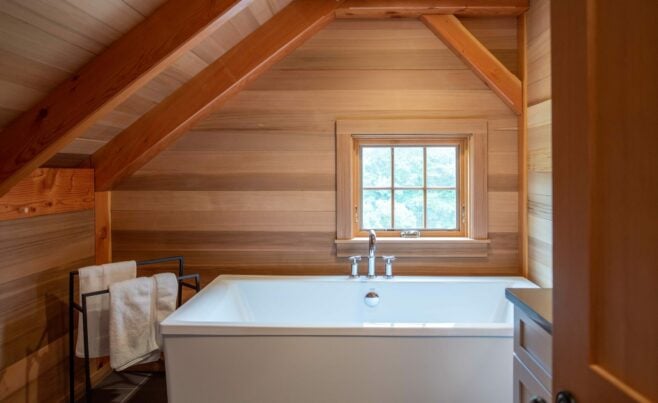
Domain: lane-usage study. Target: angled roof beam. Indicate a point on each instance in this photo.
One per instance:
(105, 82)
(166, 122)
(455, 35)
(378, 9)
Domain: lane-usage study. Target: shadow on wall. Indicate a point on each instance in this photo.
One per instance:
(34, 352)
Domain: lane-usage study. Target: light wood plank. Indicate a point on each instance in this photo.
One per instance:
(29, 73)
(503, 212)
(225, 220)
(368, 80)
(232, 181)
(256, 140)
(102, 84)
(478, 57)
(413, 9)
(225, 200)
(49, 191)
(213, 86)
(367, 100)
(291, 162)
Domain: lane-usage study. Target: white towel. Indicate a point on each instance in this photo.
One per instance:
(136, 309)
(97, 278)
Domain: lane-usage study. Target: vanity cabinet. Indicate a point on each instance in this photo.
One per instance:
(532, 345)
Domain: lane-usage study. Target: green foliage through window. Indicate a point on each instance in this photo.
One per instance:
(409, 187)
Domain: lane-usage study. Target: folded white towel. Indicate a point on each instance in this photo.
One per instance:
(97, 278)
(136, 309)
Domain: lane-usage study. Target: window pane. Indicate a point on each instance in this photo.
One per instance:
(409, 209)
(376, 209)
(408, 166)
(442, 209)
(376, 166)
(441, 166)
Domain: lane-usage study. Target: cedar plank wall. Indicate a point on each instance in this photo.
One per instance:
(252, 188)
(36, 255)
(540, 204)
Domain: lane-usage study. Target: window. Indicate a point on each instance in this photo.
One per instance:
(428, 175)
(410, 184)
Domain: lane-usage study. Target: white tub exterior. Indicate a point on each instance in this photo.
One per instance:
(313, 339)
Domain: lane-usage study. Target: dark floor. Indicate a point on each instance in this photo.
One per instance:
(133, 387)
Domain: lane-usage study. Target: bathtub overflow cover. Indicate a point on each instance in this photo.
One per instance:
(372, 299)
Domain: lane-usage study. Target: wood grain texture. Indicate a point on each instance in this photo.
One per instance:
(37, 35)
(522, 142)
(225, 77)
(102, 84)
(36, 255)
(539, 51)
(251, 188)
(378, 9)
(103, 227)
(420, 50)
(605, 196)
(49, 191)
(460, 40)
(538, 145)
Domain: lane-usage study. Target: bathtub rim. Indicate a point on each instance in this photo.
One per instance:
(172, 326)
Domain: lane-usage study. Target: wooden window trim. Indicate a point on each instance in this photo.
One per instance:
(472, 131)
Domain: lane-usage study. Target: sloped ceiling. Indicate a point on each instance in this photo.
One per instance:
(43, 42)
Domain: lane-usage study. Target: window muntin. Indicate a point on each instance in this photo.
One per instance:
(410, 185)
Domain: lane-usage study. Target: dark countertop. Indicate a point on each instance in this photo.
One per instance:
(536, 303)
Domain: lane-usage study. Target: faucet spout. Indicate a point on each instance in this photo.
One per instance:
(372, 247)
(372, 243)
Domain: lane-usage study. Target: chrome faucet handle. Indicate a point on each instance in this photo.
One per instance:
(355, 266)
(388, 266)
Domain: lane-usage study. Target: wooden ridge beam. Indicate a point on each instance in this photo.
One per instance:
(103, 83)
(162, 125)
(378, 9)
(455, 35)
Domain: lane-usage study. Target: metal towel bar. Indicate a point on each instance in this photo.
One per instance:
(82, 308)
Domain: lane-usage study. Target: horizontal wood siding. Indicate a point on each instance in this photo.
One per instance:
(49, 191)
(539, 169)
(251, 189)
(36, 255)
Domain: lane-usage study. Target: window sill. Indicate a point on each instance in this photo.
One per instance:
(416, 247)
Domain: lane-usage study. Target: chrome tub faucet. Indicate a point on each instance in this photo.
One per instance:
(372, 247)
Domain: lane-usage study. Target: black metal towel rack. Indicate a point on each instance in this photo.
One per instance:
(82, 308)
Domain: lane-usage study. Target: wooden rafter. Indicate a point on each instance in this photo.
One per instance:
(225, 77)
(455, 35)
(378, 9)
(103, 83)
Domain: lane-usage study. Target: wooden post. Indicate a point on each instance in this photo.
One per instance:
(103, 231)
(523, 146)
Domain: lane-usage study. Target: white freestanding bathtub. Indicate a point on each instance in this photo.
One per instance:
(314, 339)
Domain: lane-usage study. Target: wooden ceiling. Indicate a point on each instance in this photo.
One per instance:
(42, 43)
(63, 90)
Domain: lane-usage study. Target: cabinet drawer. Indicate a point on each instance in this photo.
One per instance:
(533, 347)
(527, 389)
